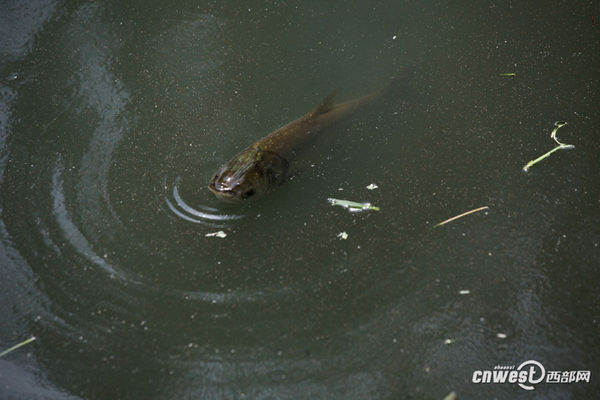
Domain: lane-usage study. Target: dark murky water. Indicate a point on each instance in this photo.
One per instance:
(113, 118)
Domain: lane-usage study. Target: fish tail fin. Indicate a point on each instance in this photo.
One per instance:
(325, 106)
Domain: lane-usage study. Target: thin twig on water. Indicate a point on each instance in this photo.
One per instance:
(461, 215)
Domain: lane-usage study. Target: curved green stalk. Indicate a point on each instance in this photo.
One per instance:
(558, 124)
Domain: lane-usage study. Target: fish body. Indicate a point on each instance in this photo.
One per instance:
(265, 164)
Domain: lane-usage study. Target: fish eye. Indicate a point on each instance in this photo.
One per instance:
(248, 193)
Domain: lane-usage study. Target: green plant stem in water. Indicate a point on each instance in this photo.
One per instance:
(540, 158)
(558, 124)
(16, 346)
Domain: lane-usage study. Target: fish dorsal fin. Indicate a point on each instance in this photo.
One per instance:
(325, 106)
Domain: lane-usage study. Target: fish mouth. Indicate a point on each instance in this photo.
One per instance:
(227, 196)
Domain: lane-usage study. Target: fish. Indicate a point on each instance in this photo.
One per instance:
(265, 164)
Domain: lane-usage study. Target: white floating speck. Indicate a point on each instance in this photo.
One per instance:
(394, 37)
(219, 234)
(448, 341)
(464, 292)
(343, 235)
(501, 335)
(372, 186)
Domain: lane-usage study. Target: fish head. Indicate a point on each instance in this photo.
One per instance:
(249, 175)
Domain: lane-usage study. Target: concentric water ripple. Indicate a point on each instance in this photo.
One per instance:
(72, 233)
(205, 215)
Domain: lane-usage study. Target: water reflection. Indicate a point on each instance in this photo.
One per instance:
(70, 230)
(19, 26)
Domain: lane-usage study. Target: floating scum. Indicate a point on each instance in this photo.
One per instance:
(558, 124)
(352, 206)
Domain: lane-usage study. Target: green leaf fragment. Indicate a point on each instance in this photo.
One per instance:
(352, 205)
(509, 74)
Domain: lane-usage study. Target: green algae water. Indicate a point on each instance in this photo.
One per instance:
(137, 283)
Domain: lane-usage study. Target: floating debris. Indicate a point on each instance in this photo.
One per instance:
(342, 235)
(509, 74)
(372, 186)
(449, 341)
(451, 396)
(219, 234)
(464, 292)
(558, 124)
(16, 346)
(500, 335)
(352, 205)
(461, 215)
